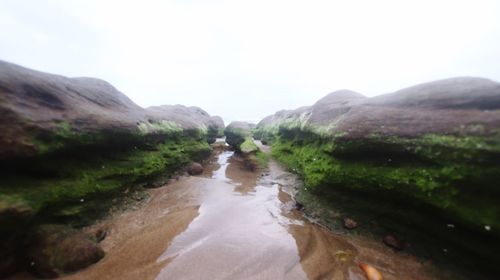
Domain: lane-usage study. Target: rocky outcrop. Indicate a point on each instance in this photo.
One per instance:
(455, 106)
(70, 145)
(239, 136)
(56, 250)
(427, 154)
(190, 118)
(218, 123)
(237, 133)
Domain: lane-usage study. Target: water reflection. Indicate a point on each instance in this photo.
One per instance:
(249, 229)
(235, 236)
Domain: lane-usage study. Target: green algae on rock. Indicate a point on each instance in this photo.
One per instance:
(239, 135)
(70, 146)
(414, 162)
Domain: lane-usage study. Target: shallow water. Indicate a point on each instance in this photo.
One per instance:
(231, 223)
(247, 228)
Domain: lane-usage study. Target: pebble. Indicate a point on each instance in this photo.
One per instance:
(100, 235)
(393, 242)
(349, 223)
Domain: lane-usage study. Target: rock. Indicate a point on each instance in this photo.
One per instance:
(371, 272)
(349, 223)
(217, 123)
(333, 106)
(15, 217)
(393, 242)
(56, 250)
(299, 206)
(100, 235)
(67, 140)
(188, 118)
(442, 107)
(36, 107)
(428, 146)
(237, 132)
(195, 169)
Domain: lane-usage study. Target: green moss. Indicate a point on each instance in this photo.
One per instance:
(68, 179)
(262, 159)
(234, 138)
(454, 173)
(248, 146)
(161, 127)
(414, 187)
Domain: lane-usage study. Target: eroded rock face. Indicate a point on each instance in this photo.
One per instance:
(434, 146)
(56, 250)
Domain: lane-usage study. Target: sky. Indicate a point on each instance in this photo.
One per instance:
(244, 60)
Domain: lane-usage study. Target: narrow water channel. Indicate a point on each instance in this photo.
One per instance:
(232, 223)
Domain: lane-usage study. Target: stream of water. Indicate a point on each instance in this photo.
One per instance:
(233, 223)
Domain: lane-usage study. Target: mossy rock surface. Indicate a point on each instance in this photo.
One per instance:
(418, 161)
(71, 146)
(237, 132)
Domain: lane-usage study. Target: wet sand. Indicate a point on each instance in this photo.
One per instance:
(230, 223)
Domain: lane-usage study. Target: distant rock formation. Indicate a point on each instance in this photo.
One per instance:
(237, 132)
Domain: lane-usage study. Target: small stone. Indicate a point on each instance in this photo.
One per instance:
(82, 200)
(393, 242)
(487, 227)
(195, 169)
(349, 223)
(450, 225)
(100, 235)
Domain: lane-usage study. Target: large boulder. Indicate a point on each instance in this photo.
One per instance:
(189, 118)
(456, 106)
(195, 169)
(218, 123)
(237, 132)
(39, 108)
(421, 155)
(70, 145)
(56, 250)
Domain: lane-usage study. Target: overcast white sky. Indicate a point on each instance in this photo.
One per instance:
(244, 60)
